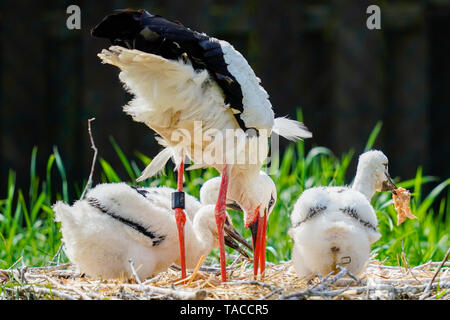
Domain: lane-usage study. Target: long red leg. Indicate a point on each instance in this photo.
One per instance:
(221, 216)
(180, 218)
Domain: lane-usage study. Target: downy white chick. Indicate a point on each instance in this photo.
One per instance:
(336, 225)
(117, 222)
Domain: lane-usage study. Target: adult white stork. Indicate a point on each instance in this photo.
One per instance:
(201, 96)
(117, 222)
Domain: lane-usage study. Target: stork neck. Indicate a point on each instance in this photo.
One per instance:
(242, 188)
(364, 183)
(203, 237)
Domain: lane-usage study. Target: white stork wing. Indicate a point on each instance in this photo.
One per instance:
(171, 40)
(258, 111)
(161, 87)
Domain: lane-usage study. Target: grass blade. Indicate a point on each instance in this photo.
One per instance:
(373, 136)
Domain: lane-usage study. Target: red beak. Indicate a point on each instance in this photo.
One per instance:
(258, 229)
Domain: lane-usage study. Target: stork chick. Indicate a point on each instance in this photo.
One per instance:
(116, 223)
(336, 225)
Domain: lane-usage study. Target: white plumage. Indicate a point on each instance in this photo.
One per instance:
(170, 96)
(258, 111)
(336, 225)
(117, 222)
(199, 94)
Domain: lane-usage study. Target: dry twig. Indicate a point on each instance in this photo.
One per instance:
(428, 288)
(89, 182)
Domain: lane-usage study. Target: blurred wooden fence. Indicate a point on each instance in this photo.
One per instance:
(317, 55)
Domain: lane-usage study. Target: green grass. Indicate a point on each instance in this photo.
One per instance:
(27, 230)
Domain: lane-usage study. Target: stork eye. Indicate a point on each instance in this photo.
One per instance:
(271, 202)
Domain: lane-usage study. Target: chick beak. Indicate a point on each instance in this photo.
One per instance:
(388, 184)
(232, 237)
(233, 205)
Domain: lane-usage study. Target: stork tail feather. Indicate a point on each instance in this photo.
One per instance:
(196, 166)
(291, 129)
(157, 164)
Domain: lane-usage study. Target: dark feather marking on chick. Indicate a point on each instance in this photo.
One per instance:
(353, 213)
(313, 211)
(141, 191)
(156, 239)
(145, 193)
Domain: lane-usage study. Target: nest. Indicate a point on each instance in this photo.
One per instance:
(377, 281)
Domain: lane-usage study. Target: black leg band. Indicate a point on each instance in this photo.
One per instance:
(178, 200)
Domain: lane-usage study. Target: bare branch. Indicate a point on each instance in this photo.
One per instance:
(40, 291)
(142, 287)
(134, 271)
(89, 182)
(428, 288)
(253, 282)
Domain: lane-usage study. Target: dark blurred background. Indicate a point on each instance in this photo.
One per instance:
(317, 55)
